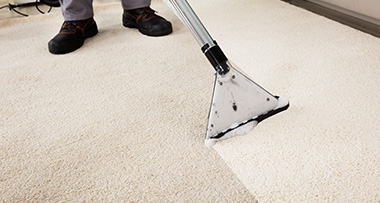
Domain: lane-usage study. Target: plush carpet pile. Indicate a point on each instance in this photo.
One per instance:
(123, 118)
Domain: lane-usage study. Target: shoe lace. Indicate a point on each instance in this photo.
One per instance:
(149, 11)
(72, 25)
(69, 25)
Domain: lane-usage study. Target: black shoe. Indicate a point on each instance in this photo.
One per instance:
(72, 36)
(147, 22)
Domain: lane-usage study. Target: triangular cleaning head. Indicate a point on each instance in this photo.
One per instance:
(238, 105)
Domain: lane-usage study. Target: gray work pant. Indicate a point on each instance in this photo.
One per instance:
(82, 9)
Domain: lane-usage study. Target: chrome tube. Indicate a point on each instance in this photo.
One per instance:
(191, 20)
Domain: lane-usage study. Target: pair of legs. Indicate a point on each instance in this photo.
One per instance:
(79, 23)
(82, 9)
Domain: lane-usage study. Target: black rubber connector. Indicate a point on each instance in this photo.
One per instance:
(217, 58)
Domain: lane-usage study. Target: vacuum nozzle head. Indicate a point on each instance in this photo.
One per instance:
(238, 105)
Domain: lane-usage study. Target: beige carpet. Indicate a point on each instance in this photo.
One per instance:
(123, 118)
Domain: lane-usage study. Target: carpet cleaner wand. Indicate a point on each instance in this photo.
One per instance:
(238, 104)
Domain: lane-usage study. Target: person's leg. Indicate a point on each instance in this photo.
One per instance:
(134, 4)
(79, 24)
(76, 9)
(138, 14)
